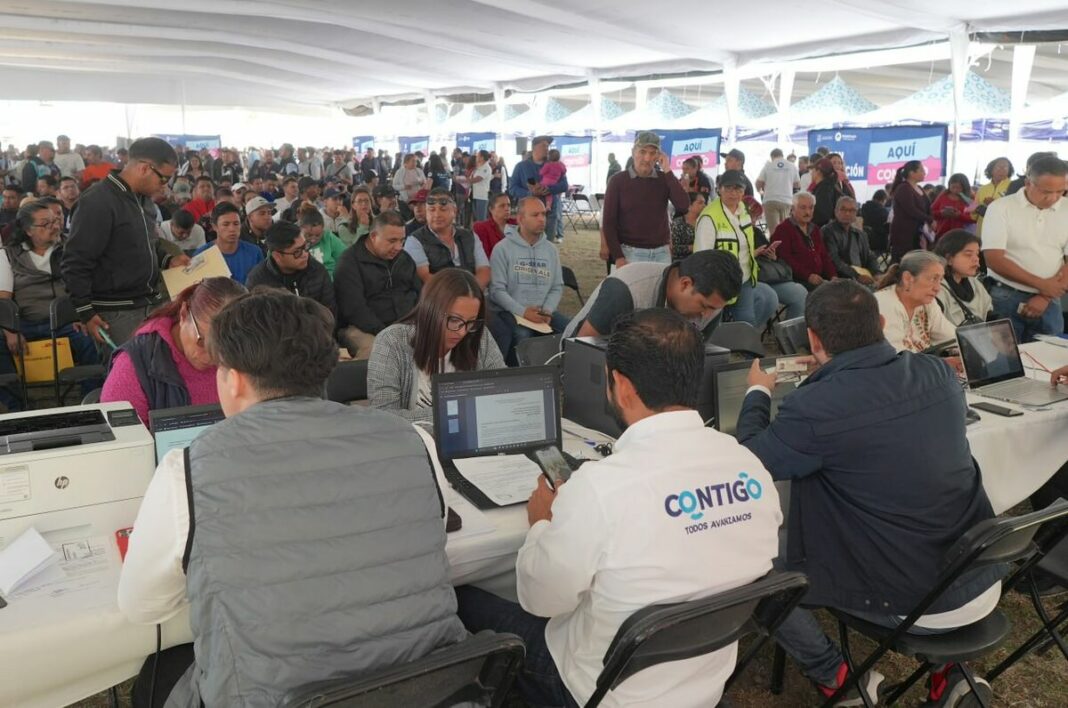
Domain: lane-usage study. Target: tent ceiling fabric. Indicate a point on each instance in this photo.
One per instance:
(318, 53)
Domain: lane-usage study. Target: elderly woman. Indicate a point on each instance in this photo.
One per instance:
(913, 321)
(801, 246)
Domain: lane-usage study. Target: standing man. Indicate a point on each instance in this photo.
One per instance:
(621, 534)
(735, 160)
(70, 163)
(289, 266)
(527, 281)
(288, 164)
(1025, 240)
(635, 220)
(112, 260)
(480, 184)
(375, 283)
(240, 255)
(442, 244)
(68, 194)
(40, 165)
(777, 183)
(97, 168)
(526, 177)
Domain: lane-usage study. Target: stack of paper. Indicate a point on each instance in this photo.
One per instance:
(28, 557)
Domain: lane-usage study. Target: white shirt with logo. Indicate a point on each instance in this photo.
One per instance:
(678, 512)
(779, 177)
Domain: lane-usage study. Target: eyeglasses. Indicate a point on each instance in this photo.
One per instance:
(459, 324)
(163, 179)
(48, 224)
(441, 201)
(196, 328)
(296, 252)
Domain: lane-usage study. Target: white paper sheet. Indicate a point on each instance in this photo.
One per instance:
(83, 566)
(27, 556)
(505, 479)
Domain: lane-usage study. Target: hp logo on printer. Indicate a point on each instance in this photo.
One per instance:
(62, 482)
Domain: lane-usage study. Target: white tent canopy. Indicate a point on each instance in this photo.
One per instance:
(289, 53)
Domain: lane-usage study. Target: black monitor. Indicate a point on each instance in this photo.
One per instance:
(730, 382)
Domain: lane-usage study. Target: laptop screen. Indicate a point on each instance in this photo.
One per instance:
(989, 352)
(176, 427)
(496, 411)
(729, 387)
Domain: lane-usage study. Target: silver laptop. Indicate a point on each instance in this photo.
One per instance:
(992, 363)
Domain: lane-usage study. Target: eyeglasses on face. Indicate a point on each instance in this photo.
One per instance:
(163, 179)
(459, 324)
(47, 224)
(296, 252)
(196, 328)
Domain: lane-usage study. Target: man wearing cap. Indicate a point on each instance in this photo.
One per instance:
(635, 219)
(376, 284)
(441, 244)
(418, 206)
(288, 266)
(735, 160)
(526, 177)
(725, 224)
(240, 255)
(331, 209)
(70, 163)
(777, 183)
(259, 215)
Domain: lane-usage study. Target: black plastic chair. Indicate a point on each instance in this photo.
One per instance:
(571, 281)
(739, 337)
(991, 542)
(1054, 564)
(60, 314)
(792, 336)
(92, 397)
(662, 633)
(9, 321)
(536, 351)
(477, 671)
(347, 382)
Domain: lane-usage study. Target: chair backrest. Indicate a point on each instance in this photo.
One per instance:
(536, 351)
(477, 671)
(1001, 539)
(570, 279)
(683, 630)
(92, 397)
(347, 382)
(792, 336)
(61, 313)
(738, 337)
(9, 315)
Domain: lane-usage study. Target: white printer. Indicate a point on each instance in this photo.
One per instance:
(76, 469)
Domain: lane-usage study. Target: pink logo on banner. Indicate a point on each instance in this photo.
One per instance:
(705, 148)
(884, 172)
(575, 155)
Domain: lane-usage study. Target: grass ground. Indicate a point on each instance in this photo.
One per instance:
(1036, 682)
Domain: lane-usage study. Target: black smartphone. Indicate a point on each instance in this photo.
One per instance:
(553, 465)
(997, 410)
(531, 181)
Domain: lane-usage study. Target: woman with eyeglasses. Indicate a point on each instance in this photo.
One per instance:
(912, 320)
(30, 275)
(166, 362)
(445, 332)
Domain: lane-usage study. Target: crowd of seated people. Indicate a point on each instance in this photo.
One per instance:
(377, 255)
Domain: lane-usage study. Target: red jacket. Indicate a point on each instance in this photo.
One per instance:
(803, 259)
(488, 234)
(943, 223)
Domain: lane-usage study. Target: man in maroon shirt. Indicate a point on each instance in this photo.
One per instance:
(635, 219)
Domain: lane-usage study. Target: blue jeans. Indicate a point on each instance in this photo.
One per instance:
(481, 206)
(660, 254)
(82, 349)
(793, 296)
(1006, 305)
(801, 636)
(508, 333)
(756, 304)
(539, 680)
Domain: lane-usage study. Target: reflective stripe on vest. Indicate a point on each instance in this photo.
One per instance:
(723, 225)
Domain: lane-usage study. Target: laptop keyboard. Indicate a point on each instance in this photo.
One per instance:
(1024, 391)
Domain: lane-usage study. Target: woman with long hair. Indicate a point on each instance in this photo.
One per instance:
(30, 275)
(910, 211)
(357, 223)
(906, 297)
(446, 331)
(166, 363)
(963, 296)
(953, 207)
(437, 172)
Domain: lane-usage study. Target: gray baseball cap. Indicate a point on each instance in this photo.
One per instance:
(647, 137)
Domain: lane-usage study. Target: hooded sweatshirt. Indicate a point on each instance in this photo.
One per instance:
(525, 275)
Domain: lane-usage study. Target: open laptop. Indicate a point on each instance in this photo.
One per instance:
(485, 423)
(176, 427)
(730, 382)
(994, 369)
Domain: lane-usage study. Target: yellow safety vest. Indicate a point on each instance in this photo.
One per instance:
(727, 235)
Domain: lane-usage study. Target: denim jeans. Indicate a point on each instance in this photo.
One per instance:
(756, 304)
(801, 636)
(539, 680)
(508, 333)
(660, 254)
(793, 296)
(82, 348)
(481, 205)
(1006, 304)
(558, 216)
